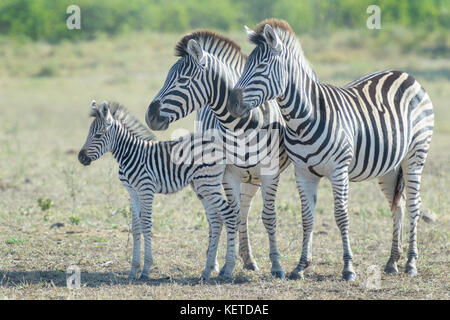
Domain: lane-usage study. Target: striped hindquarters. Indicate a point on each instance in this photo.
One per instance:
(391, 115)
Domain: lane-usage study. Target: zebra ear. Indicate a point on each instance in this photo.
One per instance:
(272, 38)
(250, 33)
(196, 52)
(105, 113)
(94, 109)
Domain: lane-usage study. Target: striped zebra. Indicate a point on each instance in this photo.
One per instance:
(208, 67)
(378, 126)
(147, 167)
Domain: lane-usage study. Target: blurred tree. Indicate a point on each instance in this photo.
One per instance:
(45, 19)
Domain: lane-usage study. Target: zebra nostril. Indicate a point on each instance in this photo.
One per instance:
(83, 158)
(152, 112)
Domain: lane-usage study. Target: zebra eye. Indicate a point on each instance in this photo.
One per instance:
(97, 135)
(183, 80)
(262, 64)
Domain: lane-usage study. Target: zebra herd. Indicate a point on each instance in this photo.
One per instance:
(260, 113)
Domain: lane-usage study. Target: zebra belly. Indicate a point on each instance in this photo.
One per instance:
(377, 160)
(370, 158)
(256, 152)
(304, 158)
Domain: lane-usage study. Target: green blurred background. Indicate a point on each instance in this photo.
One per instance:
(46, 19)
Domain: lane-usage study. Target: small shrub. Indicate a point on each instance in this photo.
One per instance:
(74, 220)
(45, 203)
(47, 71)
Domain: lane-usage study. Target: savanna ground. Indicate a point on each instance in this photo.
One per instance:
(45, 95)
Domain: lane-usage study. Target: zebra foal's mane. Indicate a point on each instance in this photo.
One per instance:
(121, 114)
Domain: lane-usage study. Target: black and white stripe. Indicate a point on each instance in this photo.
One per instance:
(379, 126)
(147, 167)
(208, 67)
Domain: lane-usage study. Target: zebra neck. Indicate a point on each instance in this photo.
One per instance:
(238, 126)
(223, 78)
(125, 145)
(302, 96)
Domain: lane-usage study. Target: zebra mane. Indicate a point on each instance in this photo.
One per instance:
(209, 41)
(258, 38)
(287, 36)
(121, 114)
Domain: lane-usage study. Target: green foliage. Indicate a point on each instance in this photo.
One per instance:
(75, 220)
(14, 240)
(45, 203)
(96, 239)
(46, 19)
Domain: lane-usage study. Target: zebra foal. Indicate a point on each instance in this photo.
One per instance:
(146, 168)
(379, 126)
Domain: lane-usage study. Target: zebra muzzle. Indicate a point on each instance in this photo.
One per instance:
(83, 158)
(235, 106)
(154, 119)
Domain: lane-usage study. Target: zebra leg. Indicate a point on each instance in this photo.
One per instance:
(248, 191)
(339, 182)
(232, 186)
(307, 187)
(214, 265)
(412, 167)
(392, 186)
(136, 231)
(269, 185)
(146, 223)
(215, 228)
(230, 218)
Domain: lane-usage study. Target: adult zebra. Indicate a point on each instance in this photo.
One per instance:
(208, 67)
(147, 167)
(378, 126)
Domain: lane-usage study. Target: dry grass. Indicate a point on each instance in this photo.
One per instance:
(45, 120)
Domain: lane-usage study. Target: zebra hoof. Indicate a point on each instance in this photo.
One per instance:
(131, 276)
(278, 274)
(391, 268)
(411, 270)
(144, 277)
(296, 275)
(410, 267)
(225, 277)
(251, 266)
(204, 277)
(348, 276)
